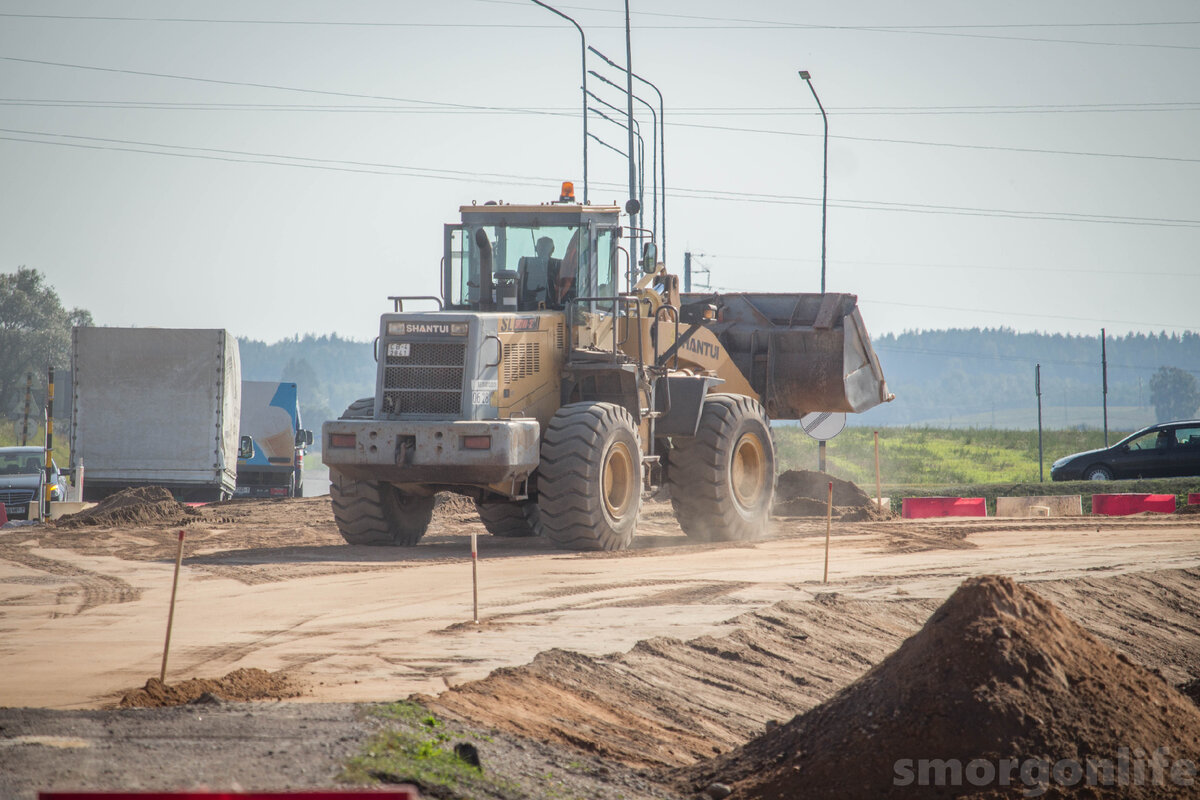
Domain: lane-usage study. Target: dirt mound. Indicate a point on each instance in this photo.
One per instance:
(451, 504)
(143, 505)
(239, 685)
(803, 493)
(998, 695)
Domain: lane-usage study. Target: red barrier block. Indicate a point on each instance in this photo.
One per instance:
(1194, 499)
(1119, 505)
(923, 507)
(394, 793)
(3, 514)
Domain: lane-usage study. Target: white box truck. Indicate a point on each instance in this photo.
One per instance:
(156, 407)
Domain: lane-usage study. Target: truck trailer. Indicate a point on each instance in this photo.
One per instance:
(156, 407)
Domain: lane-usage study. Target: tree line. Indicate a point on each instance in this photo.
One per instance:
(964, 376)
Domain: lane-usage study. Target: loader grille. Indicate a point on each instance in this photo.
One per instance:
(429, 380)
(521, 359)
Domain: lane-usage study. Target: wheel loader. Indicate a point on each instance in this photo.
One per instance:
(559, 379)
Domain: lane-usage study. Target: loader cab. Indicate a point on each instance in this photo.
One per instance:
(530, 258)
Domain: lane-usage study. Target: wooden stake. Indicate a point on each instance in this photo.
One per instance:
(474, 578)
(878, 485)
(162, 674)
(828, 525)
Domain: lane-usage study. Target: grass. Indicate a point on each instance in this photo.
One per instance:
(934, 456)
(10, 436)
(958, 462)
(416, 748)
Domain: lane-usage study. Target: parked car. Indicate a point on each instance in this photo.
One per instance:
(19, 479)
(1166, 450)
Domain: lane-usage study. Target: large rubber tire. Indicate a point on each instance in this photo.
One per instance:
(1099, 472)
(510, 519)
(374, 513)
(723, 479)
(367, 512)
(590, 477)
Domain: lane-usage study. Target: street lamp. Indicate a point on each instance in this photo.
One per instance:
(583, 61)
(824, 173)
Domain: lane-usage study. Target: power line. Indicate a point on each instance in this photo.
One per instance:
(965, 267)
(730, 111)
(680, 192)
(722, 24)
(519, 110)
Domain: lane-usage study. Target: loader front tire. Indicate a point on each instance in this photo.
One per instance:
(590, 477)
(723, 479)
(374, 513)
(510, 519)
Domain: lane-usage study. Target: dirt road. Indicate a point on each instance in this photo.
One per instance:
(269, 584)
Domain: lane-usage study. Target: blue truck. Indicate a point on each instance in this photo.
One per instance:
(273, 441)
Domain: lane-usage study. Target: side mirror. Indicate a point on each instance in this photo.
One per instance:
(303, 438)
(246, 447)
(649, 257)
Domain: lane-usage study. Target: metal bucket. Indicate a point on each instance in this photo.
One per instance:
(801, 352)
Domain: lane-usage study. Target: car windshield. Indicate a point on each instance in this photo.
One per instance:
(20, 463)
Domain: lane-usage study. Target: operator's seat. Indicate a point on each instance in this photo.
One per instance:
(533, 282)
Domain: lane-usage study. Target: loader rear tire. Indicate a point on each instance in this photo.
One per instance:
(723, 479)
(374, 513)
(510, 519)
(371, 513)
(590, 477)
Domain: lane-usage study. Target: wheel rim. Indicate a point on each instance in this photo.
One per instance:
(617, 480)
(747, 473)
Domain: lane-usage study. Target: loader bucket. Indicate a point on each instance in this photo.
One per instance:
(801, 352)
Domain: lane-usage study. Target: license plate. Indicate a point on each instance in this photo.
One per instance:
(11, 509)
(400, 349)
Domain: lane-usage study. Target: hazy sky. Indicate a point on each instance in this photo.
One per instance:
(282, 167)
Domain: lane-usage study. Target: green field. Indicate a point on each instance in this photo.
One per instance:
(958, 462)
(935, 456)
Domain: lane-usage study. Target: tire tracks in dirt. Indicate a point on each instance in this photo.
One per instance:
(94, 589)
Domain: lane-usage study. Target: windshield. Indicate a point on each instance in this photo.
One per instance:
(20, 463)
(544, 262)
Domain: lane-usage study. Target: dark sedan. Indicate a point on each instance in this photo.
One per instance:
(1166, 450)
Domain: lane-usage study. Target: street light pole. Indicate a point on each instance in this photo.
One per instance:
(824, 173)
(633, 206)
(583, 62)
(662, 143)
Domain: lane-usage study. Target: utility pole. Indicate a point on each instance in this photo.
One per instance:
(1037, 387)
(28, 400)
(687, 271)
(1104, 374)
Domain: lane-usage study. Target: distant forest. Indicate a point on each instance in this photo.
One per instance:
(330, 372)
(984, 377)
(981, 377)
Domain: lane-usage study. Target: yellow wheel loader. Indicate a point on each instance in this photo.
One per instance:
(559, 379)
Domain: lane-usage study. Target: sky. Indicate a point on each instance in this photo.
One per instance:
(281, 168)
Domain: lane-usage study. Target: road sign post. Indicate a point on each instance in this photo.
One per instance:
(823, 426)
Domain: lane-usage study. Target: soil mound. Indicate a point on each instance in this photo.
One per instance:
(998, 695)
(143, 505)
(239, 685)
(803, 493)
